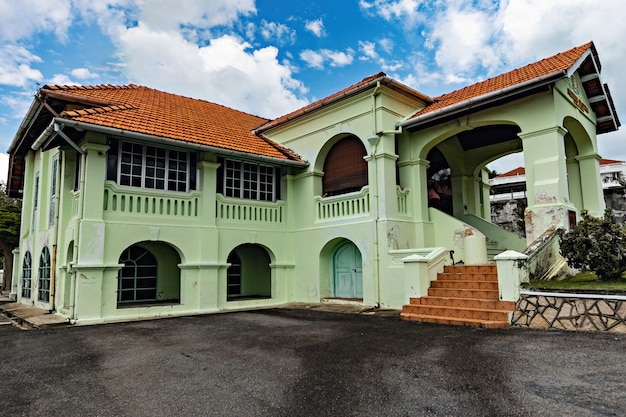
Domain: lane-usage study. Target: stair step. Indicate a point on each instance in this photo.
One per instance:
(458, 312)
(487, 324)
(487, 268)
(466, 303)
(467, 276)
(462, 293)
(465, 285)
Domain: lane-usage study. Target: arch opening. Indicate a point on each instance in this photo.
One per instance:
(345, 170)
(150, 275)
(249, 275)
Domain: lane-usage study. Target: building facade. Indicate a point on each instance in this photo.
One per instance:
(139, 203)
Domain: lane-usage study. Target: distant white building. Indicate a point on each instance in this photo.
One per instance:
(508, 194)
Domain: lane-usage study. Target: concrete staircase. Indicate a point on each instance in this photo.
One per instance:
(462, 295)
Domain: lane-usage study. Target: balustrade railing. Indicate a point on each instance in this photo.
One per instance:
(342, 206)
(150, 203)
(231, 209)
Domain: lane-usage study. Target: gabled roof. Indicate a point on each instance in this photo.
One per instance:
(363, 85)
(523, 80)
(143, 110)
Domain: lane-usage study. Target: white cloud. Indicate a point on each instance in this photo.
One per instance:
(226, 71)
(405, 10)
(16, 66)
(20, 19)
(317, 59)
(312, 58)
(462, 36)
(61, 79)
(316, 27)
(386, 44)
(83, 73)
(278, 32)
(368, 49)
(18, 103)
(169, 15)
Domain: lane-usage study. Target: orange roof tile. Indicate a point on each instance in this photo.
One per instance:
(514, 172)
(365, 83)
(522, 170)
(152, 112)
(559, 62)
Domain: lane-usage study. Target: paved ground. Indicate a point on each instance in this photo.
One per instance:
(303, 362)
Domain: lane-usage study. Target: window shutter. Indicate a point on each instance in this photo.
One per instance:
(345, 170)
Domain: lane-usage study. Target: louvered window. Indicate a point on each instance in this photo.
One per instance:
(345, 170)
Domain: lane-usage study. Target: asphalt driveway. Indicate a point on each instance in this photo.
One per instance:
(308, 363)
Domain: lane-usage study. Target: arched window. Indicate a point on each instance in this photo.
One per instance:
(43, 292)
(233, 276)
(137, 280)
(27, 274)
(345, 170)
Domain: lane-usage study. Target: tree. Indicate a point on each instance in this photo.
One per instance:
(596, 244)
(10, 213)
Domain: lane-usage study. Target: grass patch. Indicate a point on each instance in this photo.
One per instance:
(585, 281)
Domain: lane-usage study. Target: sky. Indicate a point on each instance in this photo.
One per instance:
(270, 57)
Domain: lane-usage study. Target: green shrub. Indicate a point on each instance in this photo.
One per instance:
(596, 244)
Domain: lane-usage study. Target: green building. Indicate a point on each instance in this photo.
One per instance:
(138, 203)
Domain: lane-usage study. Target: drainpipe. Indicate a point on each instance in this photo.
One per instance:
(81, 203)
(373, 141)
(59, 174)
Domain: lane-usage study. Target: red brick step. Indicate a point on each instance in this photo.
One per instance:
(462, 295)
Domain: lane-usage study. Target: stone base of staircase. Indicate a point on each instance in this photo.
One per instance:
(462, 295)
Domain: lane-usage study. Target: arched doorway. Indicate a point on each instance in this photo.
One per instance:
(249, 274)
(347, 275)
(439, 182)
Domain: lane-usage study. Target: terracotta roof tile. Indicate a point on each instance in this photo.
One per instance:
(522, 170)
(514, 172)
(365, 83)
(559, 62)
(152, 112)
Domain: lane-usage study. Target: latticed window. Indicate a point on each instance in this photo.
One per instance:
(137, 280)
(27, 274)
(249, 180)
(345, 170)
(233, 276)
(43, 291)
(147, 166)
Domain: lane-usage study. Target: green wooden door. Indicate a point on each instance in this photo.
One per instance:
(347, 272)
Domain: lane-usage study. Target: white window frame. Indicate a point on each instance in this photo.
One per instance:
(27, 275)
(35, 202)
(53, 191)
(145, 171)
(249, 180)
(43, 276)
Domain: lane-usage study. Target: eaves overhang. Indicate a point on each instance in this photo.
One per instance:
(490, 99)
(82, 126)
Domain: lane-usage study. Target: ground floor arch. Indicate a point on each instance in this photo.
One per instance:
(150, 274)
(249, 274)
(341, 268)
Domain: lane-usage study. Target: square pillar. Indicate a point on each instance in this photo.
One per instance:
(546, 181)
(591, 185)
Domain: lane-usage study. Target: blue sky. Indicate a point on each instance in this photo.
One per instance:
(269, 57)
